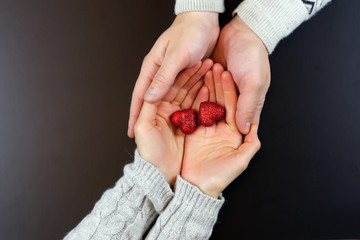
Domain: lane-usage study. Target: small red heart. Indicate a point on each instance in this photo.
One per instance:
(185, 120)
(210, 112)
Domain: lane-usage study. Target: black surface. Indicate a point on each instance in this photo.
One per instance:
(67, 69)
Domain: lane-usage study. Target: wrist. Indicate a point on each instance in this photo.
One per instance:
(212, 190)
(160, 162)
(211, 186)
(237, 25)
(272, 20)
(210, 20)
(148, 180)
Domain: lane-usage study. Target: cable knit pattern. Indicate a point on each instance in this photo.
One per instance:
(199, 5)
(190, 215)
(273, 20)
(127, 210)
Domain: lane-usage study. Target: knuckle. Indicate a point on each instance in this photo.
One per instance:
(171, 54)
(254, 83)
(257, 144)
(183, 91)
(268, 79)
(134, 115)
(160, 79)
(147, 58)
(246, 114)
(243, 166)
(257, 85)
(138, 128)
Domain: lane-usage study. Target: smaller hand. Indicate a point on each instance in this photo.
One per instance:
(214, 156)
(158, 141)
(243, 53)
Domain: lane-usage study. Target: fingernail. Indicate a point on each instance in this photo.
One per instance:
(150, 94)
(248, 126)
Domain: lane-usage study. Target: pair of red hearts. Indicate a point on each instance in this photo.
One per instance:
(209, 113)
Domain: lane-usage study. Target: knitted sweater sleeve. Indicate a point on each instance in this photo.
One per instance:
(274, 20)
(199, 5)
(189, 215)
(127, 210)
(271, 20)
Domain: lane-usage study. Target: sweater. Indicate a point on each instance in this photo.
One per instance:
(271, 20)
(141, 197)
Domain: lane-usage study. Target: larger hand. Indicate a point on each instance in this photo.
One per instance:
(243, 53)
(190, 38)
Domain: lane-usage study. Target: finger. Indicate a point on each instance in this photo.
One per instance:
(135, 107)
(218, 56)
(249, 106)
(148, 112)
(180, 81)
(147, 72)
(250, 147)
(246, 151)
(173, 63)
(190, 97)
(230, 97)
(202, 96)
(206, 65)
(209, 82)
(256, 118)
(218, 70)
(252, 136)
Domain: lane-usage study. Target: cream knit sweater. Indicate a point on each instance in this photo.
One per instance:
(142, 195)
(271, 20)
(128, 210)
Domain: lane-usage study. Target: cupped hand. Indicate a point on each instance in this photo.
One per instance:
(243, 53)
(214, 156)
(190, 38)
(158, 141)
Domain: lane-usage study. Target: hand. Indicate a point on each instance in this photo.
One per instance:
(243, 53)
(214, 156)
(158, 141)
(190, 38)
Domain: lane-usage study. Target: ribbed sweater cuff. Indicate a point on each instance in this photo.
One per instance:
(150, 181)
(199, 5)
(194, 204)
(272, 20)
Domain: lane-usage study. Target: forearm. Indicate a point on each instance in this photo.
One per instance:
(190, 215)
(127, 210)
(274, 20)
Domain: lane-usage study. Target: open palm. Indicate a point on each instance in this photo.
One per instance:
(214, 156)
(158, 141)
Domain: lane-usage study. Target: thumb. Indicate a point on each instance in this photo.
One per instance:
(146, 119)
(148, 113)
(172, 64)
(248, 149)
(145, 122)
(243, 155)
(247, 108)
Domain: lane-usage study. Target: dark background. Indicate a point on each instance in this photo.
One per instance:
(67, 69)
